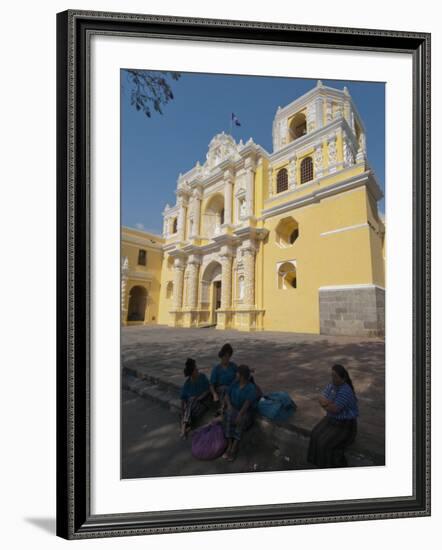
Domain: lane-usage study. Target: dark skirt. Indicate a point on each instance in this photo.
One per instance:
(232, 430)
(221, 390)
(328, 441)
(194, 408)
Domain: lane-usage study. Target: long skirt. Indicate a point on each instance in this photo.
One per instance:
(221, 390)
(194, 408)
(233, 430)
(328, 441)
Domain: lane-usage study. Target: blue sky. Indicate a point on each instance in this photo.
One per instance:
(155, 150)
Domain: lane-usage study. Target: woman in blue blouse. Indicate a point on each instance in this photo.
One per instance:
(194, 394)
(223, 374)
(239, 401)
(337, 430)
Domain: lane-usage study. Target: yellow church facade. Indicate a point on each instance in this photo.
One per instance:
(285, 241)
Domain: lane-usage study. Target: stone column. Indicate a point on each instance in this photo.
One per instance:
(318, 159)
(328, 111)
(228, 184)
(292, 173)
(270, 175)
(226, 279)
(178, 280)
(193, 266)
(362, 149)
(311, 117)
(124, 276)
(250, 186)
(196, 212)
(224, 316)
(332, 153)
(249, 251)
(347, 106)
(319, 112)
(181, 218)
(165, 225)
(348, 152)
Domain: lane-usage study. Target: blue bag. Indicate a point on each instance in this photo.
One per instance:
(277, 406)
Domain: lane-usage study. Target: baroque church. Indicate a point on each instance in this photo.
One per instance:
(290, 240)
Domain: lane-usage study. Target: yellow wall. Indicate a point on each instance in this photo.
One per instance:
(148, 276)
(340, 258)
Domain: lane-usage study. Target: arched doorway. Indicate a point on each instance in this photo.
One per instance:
(211, 290)
(136, 310)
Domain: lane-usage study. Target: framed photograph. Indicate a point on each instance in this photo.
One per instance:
(243, 274)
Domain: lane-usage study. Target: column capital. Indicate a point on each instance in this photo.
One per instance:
(249, 247)
(226, 252)
(194, 259)
(250, 164)
(228, 175)
(178, 263)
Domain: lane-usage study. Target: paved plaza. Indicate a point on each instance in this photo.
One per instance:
(296, 363)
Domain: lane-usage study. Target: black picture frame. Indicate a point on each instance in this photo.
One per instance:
(74, 31)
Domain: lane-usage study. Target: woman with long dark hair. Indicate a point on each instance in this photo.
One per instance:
(239, 402)
(337, 430)
(223, 374)
(194, 395)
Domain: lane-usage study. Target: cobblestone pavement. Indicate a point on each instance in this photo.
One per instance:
(297, 363)
(151, 446)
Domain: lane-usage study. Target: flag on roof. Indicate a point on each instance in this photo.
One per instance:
(235, 120)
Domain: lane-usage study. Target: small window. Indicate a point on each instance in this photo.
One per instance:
(287, 276)
(142, 256)
(306, 170)
(175, 226)
(287, 232)
(221, 217)
(282, 181)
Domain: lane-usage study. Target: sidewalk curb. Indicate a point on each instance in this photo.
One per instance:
(166, 394)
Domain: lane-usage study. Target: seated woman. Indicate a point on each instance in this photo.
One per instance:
(239, 403)
(194, 396)
(223, 374)
(337, 430)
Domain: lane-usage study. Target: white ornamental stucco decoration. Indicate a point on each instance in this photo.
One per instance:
(332, 151)
(319, 159)
(283, 132)
(221, 148)
(349, 158)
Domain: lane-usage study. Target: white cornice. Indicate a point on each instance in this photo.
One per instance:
(366, 178)
(301, 102)
(311, 139)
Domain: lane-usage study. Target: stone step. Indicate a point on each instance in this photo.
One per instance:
(282, 435)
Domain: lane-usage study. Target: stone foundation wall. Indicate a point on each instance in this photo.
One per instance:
(353, 311)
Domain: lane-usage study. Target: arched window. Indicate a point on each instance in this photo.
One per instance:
(298, 126)
(175, 225)
(282, 181)
(287, 276)
(306, 169)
